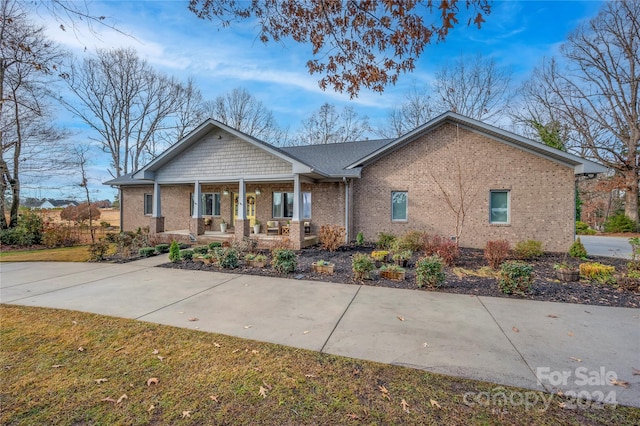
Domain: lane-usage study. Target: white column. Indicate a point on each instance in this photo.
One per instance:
(297, 198)
(156, 209)
(197, 199)
(242, 200)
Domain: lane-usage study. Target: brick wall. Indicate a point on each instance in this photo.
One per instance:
(449, 159)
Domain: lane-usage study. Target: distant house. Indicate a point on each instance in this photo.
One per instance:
(48, 203)
(453, 176)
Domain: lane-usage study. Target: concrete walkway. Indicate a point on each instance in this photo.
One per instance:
(573, 348)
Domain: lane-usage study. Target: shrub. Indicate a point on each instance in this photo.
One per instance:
(577, 249)
(360, 238)
(227, 257)
(59, 236)
(162, 248)
(583, 228)
(331, 236)
(429, 271)
(174, 251)
(27, 232)
(201, 249)
(495, 252)
(619, 223)
(186, 254)
(214, 244)
(284, 261)
(446, 248)
(147, 251)
(598, 272)
(635, 248)
(244, 245)
(402, 255)
(385, 241)
(515, 277)
(98, 250)
(105, 224)
(412, 240)
(529, 249)
(362, 265)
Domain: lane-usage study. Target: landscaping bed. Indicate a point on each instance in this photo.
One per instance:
(469, 275)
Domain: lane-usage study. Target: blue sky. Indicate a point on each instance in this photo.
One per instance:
(517, 34)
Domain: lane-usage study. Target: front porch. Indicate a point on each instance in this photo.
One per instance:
(264, 241)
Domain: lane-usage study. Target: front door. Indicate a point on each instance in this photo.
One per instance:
(251, 208)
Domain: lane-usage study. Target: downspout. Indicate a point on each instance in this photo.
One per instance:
(346, 209)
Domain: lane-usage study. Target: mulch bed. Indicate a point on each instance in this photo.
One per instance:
(546, 287)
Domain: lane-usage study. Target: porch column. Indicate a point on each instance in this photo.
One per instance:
(241, 224)
(196, 225)
(296, 228)
(156, 224)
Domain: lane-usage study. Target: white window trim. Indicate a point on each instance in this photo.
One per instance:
(144, 204)
(406, 218)
(202, 205)
(284, 196)
(508, 222)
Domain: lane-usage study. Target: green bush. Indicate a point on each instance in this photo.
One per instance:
(186, 254)
(162, 248)
(619, 223)
(429, 271)
(362, 265)
(284, 261)
(98, 250)
(577, 249)
(529, 249)
(597, 271)
(174, 252)
(385, 241)
(583, 229)
(201, 249)
(28, 231)
(214, 244)
(515, 277)
(147, 251)
(360, 238)
(226, 257)
(412, 240)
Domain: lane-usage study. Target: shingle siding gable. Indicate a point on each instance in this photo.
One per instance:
(211, 157)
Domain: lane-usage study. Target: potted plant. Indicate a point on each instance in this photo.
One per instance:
(223, 226)
(401, 257)
(380, 256)
(256, 227)
(566, 272)
(392, 272)
(323, 267)
(362, 265)
(255, 260)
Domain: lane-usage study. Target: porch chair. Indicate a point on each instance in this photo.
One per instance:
(273, 227)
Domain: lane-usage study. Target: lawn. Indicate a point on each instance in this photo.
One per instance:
(69, 368)
(64, 254)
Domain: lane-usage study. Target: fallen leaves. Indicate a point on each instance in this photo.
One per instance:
(122, 398)
(214, 398)
(384, 392)
(186, 414)
(193, 319)
(635, 371)
(81, 349)
(102, 380)
(248, 326)
(552, 316)
(434, 403)
(620, 383)
(405, 405)
(152, 381)
(573, 358)
(56, 366)
(515, 329)
(262, 392)
(400, 318)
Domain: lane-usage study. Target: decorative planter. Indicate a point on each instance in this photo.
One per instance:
(393, 275)
(323, 269)
(568, 275)
(256, 229)
(223, 227)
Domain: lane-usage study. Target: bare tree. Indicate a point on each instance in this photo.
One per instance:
(28, 141)
(242, 111)
(328, 126)
(125, 101)
(475, 87)
(417, 109)
(355, 43)
(594, 92)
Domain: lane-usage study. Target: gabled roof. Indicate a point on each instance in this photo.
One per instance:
(333, 158)
(148, 171)
(579, 164)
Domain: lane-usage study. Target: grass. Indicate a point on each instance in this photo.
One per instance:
(70, 368)
(64, 254)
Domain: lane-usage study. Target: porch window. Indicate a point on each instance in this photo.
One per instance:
(148, 204)
(499, 207)
(399, 205)
(283, 205)
(209, 204)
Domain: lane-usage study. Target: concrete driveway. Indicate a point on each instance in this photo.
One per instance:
(606, 246)
(504, 341)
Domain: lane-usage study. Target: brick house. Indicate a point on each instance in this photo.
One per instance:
(453, 176)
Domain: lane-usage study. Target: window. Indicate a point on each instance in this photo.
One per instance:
(499, 207)
(209, 204)
(148, 204)
(398, 205)
(283, 204)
